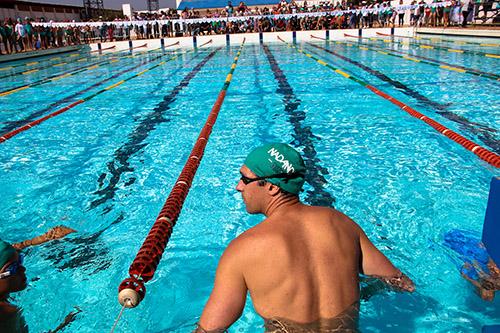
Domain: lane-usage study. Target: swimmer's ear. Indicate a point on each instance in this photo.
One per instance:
(273, 189)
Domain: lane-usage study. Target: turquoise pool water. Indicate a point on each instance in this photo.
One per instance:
(106, 167)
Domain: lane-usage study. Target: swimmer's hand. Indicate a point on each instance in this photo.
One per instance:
(54, 233)
(400, 282)
(70, 317)
(59, 232)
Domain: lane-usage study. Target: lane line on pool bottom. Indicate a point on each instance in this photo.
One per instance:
(71, 72)
(482, 131)
(483, 153)
(443, 40)
(303, 135)
(11, 125)
(149, 255)
(428, 61)
(53, 114)
(138, 135)
(397, 84)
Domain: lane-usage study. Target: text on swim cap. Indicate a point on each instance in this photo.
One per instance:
(285, 164)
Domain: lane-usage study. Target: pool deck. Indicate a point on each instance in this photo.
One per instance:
(300, 36)
(251, 38)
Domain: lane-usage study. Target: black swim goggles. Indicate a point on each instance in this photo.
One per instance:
(246, 180)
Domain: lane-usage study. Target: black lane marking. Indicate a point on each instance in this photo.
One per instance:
(88, 252)
(402, 87)
(135, 142)
(12, 125)
(303, 137)
(483, 132)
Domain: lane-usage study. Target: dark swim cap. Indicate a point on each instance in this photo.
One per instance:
(6, 252)
(278, 158)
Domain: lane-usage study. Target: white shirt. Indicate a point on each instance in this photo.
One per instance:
(20, 30)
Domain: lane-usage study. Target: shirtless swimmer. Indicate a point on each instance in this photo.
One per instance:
(301, 264)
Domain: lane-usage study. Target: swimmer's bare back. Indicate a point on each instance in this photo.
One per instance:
(301, 265)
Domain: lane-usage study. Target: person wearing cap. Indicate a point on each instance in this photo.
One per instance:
(301, 264)
(12, 279)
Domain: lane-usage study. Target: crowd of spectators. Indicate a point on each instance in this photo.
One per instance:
(456, 13)
(22, 35)
(341, 15)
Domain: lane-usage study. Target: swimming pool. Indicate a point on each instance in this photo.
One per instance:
(106, 166)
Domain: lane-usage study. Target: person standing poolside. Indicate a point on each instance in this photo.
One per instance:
(467, 7)
(401, 14)
(20, 35)
(28, 38)
(301, 264)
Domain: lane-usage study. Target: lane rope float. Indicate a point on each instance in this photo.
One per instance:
(57, 57)
(395, 83)
(12, 125)
(431, 47)
(483, 153)
(71, 72)
(85, 57)
(105, 49)
(26, 127)
(423, 60)
(132, 289)
(483, 132)
(458, 42)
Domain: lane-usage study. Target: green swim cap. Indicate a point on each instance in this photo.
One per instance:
(6, 252)
(278, 158)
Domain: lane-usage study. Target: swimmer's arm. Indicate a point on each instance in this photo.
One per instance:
(375, 263)
(228, 297)
(54, 233)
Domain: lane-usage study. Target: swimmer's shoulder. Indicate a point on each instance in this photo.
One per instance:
(246, 251)
(327, 213)
(255, 242)
(333, 217)
(7, 311)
